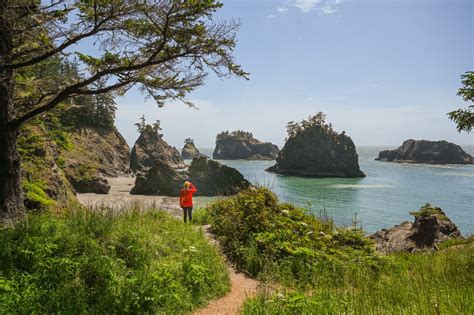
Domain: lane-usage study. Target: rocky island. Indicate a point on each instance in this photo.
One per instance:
(211, 178)
(429, 152)
(190, 151)
(314, 149)
(151, 147)
(240, 145)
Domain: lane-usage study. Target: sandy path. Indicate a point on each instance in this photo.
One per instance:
(119, 196)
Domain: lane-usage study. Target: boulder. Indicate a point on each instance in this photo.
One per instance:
(424, 151)
(161, 179)
(151, 147)
(97, 185)
(190, 151)
(431, 226)
(242, 145)
(215, 179)
(314, 149)
(210, 177)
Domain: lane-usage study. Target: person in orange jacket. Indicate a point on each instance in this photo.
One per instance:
(186, 200)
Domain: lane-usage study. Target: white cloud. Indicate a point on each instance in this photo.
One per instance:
(306, 5)
(327, 9)
(322, 6)
(271, 16)
(282, 9)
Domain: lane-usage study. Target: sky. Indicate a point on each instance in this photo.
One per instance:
(382, 70)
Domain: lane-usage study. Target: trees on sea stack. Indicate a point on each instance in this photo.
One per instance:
(164, 47)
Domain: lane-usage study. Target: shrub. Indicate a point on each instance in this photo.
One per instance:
(94, 262)
(277, 241)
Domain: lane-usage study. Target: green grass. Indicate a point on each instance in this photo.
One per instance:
(421, 283)
(92, 261)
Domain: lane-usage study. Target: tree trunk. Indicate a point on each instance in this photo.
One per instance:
(11, 195)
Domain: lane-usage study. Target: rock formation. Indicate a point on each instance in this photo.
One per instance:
(431, 227)
(242, 145)
(314, 149)
(423, 151)
(95, 153)
(190, 151)
(151, 147)
(210, 177)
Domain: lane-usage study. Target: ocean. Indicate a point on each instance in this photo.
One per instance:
(383, 198)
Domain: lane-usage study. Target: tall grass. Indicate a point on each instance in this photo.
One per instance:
(85, 261)
(421, 283)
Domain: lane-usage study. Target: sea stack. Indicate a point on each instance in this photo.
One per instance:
(210, 177)
(151, 147)
(314, 149)
(239, 145)
(429, 152)
(190, 151)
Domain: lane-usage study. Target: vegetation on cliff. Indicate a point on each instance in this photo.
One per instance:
(95, 261)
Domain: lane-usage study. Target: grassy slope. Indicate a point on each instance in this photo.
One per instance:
(322, 269)
(84, 261)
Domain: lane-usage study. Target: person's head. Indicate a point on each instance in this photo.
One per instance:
(186, 185)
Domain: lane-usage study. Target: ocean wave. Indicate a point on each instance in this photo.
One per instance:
(455, 174)
(356, 186)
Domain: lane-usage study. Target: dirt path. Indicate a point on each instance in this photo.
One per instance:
(242, 287)
(119, 196)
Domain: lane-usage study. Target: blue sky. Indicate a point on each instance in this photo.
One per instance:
(384, 71)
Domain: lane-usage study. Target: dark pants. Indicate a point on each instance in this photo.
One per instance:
(188, 213)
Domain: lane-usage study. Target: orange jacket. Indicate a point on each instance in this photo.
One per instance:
(186, 196)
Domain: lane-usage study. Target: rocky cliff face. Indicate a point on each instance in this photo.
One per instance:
(151, 147)
(317, 151)
(423, 151)
(234, 146)
(210, 177)
(190, 151)
(431, 227)
(94, 154)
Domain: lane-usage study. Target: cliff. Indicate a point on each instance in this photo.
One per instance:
(314, 149)
(151, 147)
(424, 151)
(242, 145)
(190, 151)
(210, 177)
(94, 154)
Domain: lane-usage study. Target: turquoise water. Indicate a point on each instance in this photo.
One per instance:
(383, 198)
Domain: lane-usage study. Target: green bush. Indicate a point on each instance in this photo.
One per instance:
(280, 242)
(88, 261)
